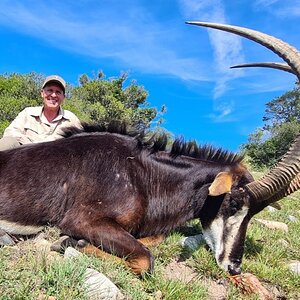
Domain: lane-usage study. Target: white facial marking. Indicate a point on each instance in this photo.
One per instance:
(15, 228)
(233, 226)
(220, 244)
(213, 236)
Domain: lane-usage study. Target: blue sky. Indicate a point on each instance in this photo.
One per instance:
(182, 66)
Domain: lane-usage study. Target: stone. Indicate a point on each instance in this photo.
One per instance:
(271, 209)
(98, 287)
(283, 242)
(5, 239)
(72, 252)
(294, 266)
(292, 218)
(158, 295)
(273, 224)
(192, 242)
(41, 244)
(53, 256)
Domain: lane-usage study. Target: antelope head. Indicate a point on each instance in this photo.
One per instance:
(225, 232)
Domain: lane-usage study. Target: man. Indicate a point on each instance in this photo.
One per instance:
(42, 123)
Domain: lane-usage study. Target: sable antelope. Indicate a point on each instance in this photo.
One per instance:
(111, 188)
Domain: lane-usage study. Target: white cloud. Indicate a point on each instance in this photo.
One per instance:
(265, 3)
(227, 50)
(227, 47)
(224, 111)
(282, 9)
(288, 11)
(138, 41)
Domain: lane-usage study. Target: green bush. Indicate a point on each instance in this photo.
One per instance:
(94, 100)
(264, 151)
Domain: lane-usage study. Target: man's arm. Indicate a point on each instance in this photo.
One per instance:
(17, 128)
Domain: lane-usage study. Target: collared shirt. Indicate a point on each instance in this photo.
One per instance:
(31, 126)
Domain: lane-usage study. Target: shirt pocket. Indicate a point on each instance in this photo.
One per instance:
(31, 133)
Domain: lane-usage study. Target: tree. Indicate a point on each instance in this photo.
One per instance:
(17, 92)
(283, 109)
(104, 100)
(94, 100)
(267, 145)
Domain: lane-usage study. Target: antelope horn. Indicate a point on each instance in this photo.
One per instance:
(292, 187)
(273, 65)
(279, 180)
(288, 53)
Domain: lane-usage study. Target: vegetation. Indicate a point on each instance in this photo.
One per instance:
(16, 93)
(28, 272)
(94, 100)
(281, 125)
(98, 99)
(105, 100)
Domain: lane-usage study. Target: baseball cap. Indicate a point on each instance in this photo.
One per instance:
(55, 79)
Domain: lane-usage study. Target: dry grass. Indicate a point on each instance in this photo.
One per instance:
(30, 273)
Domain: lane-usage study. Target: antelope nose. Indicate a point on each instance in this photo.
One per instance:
(234, 270)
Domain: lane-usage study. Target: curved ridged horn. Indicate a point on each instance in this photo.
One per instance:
(272, 65)
(279, 179)
(292, 187)
(288, 53)
(277, 182)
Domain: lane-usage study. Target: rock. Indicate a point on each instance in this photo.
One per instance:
(98, 287)
(294, 266)
(283, 242)
(273, 224)
(192, 242)
(5, 239)
(53, 256)
(158, 295)
(271, 209)
(292, 218)
(41, 244)
(72, 252)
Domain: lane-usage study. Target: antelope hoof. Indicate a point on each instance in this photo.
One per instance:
(62, 243)
(140, 265)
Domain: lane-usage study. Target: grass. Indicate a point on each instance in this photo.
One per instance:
(28, 273)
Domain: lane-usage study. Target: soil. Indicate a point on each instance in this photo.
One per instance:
(179, 270)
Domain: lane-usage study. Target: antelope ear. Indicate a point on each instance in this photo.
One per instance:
(221, 185)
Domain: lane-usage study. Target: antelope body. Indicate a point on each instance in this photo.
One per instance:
(111, 189)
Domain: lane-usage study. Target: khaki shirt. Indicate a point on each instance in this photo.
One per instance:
(31, 126)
